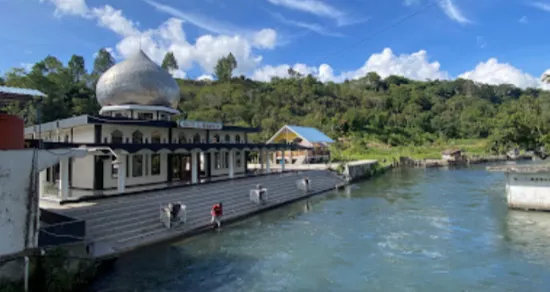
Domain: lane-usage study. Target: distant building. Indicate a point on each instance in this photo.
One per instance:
(513, 154)
(452, 155)
(312, 138)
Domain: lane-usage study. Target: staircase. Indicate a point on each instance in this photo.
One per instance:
(120, 224)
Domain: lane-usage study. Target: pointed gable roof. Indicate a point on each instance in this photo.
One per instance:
(309, 134)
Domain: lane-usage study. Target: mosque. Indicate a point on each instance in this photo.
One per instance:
(136, 142)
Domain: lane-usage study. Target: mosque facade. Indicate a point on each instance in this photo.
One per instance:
(136, 142)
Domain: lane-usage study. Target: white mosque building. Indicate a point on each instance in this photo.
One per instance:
(135, 143)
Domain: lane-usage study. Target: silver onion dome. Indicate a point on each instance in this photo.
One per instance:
(137, 80)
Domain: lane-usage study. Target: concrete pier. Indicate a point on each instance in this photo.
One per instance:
(527, 186)
(118, 225)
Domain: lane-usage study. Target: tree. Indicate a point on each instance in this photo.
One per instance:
(169, 62)
(77, 69)
(224, 68)
(103, 61)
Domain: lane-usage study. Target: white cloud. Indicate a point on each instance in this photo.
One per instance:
(170, 36)
(481, 42)
(523, 19)
(410, 2)
(414, 66)
(205, 77)
(207, 49)
(69, 7)
(453, 12)
(493, 72)
(309, 26)
(318, 8)
(541, 5)
(113, 19)
(27, 66)
(265, 38)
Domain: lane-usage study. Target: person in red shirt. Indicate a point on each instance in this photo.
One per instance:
(217, 213)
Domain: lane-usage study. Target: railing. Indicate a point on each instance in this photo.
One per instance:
(59, 229)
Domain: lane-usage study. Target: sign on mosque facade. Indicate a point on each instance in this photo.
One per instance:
(199, 125)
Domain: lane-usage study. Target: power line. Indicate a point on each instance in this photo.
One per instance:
(384, 29)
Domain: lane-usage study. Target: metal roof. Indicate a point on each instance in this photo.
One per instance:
(20, 91)
(312, 135)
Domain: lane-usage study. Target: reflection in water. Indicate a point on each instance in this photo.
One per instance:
(409, 230)
(529, 233)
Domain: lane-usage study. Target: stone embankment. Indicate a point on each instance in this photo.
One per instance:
(407, 161)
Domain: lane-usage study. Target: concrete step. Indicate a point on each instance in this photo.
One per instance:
(131, 201)
(224, 195)
(203, 219)
(202, 211)
(159, 234)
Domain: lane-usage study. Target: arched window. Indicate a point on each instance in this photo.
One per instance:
(237, 138)
(182, 139)
(297, 140)
(137, 137)
(197, 138)
(216, 139)
(227, 138)
(117, 137)
(155, 138)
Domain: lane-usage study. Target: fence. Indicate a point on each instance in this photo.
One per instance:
(58, 229)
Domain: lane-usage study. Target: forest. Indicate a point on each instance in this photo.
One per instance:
(366, 115)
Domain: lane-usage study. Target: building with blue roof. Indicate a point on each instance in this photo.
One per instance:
(317, 142)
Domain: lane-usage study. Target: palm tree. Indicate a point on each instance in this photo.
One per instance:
(546, 78)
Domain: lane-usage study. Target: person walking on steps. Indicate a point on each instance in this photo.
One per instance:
(217, 213)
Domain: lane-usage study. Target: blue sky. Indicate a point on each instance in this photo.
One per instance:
(493, 41)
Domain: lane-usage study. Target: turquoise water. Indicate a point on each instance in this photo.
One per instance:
(408, 230)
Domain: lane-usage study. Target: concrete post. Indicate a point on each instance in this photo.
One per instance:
(42, 183)
(64, 178)
(231, 164)
(121, 173)
(267, 162)
(194, 170)
(283, 161)
(262, 160)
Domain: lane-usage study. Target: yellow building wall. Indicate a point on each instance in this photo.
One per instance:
(285, 135)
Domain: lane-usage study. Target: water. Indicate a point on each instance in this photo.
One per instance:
(408, 230)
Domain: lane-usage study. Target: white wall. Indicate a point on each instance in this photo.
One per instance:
(83, 134)
(528, 191)
(16, 168)
(83, 172)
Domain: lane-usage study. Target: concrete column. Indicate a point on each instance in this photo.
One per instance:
(231, 164)
(122, 173)
(42, 181)
(267, 162)
(283, 161)
(262, 159)
(194, 170)
(64, 178)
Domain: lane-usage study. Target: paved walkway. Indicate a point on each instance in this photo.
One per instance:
(117, 225)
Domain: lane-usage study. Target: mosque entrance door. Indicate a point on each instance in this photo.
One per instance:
(181, 167)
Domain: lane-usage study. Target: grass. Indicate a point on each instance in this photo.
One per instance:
(385, 154)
